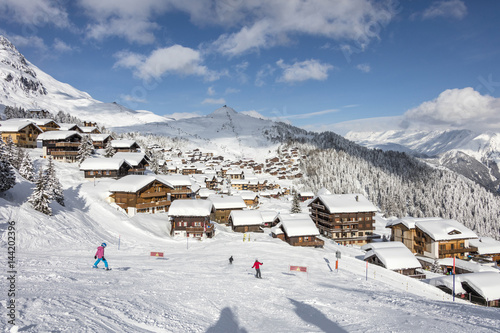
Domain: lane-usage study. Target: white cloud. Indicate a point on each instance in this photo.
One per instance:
(214, 101)
(452, 8)
(265, 71)
(310, 114)
(129, 19)
(301, 71)
(231, 91)
(210, 91)
(62, 47)
(364, 68)
(264, 24)
(460, 108)
(31, 41)
(133, 99)
(182, 115)
(176, 59)
(34, 13)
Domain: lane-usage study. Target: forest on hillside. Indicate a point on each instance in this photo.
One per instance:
(399, 184)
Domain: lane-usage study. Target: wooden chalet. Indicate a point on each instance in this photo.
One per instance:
(138, 161)
(46, 124)
(191, 218)
(403, 230)
(298, 230)
(23, 133)
(394, 256)
(235, 174)
(104, 168)
(100, 140)
(251, 198)
(303, 196)
(70, 127)
(345, 218)
(182, 186)
(125, 146)
(440, 238)
(61, 145)
(141, 194)
(486, 249)
(245, 221)
(224, 205)
(213, 183)
(38, 113)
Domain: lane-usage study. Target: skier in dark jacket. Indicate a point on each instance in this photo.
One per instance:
(99, 255)
(256, 265)
(231, 260)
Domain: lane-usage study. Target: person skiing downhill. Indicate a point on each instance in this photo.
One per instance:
(99, 255)
(256, 265)
(231, 260)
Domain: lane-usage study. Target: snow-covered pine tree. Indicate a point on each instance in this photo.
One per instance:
(109, 151)
(85, 150)
(10, 150)
(54, 187)
(40, 198)
(7, 175)
(436, 268)
(26, 168)
(19, 157)
(295, 203)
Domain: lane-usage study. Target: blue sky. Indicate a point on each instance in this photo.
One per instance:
(309, 62)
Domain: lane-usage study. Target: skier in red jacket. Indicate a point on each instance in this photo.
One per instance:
(99, 255)
(256, 265)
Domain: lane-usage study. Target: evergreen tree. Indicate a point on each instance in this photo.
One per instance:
(54, 187)
(40, 198)
(10, 150)
(85, 149)
(436, 268)
(7, 175)
(295, 203)
(18, 159)
(109, 151)
(26, 168)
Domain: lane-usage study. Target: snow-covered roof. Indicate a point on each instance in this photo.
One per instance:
(395, 257)
(227, 202)
(306, 194)
(268, 215)
(247, 195)
(176, 180)
(67, 127)
(445, 229)
(470, 266)
(298, 225)
(324, 191)
(486, 284)
(234, 172)
(447, 281)
(133, 183)
(132, 158)
(382, 245)
(88, 129)
(16, 125)
(42, 122)
(102, 164)
(205, 192)
(347, 203)
(57, 135)
(246, 217)
(486, 245)
(99, 137)
(409, 222)
(122, 143)
(187, 207)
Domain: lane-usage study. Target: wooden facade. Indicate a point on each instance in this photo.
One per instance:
(154, 197)
(122, 171)
(222, 215)
(192, 226)
(65, 150)
(24, 136)
(426, 246)
(343, 228)
(307, 241)
(401, 233)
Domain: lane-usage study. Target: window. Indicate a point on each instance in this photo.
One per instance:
(197, 224)
(306, 239)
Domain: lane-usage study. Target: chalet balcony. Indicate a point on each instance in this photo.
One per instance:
(153, 204)
(63, 153)
(317, 206)
(196, 229)
(456, 251)
(154, 194)
(316, 243)
(67, 144)
(181, 191)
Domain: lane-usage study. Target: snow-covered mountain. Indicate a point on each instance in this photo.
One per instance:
(474, 155)
(22, 84)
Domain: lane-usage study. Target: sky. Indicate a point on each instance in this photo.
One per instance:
(312, 63)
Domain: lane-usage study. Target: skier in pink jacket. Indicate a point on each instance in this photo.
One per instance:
(99, 255)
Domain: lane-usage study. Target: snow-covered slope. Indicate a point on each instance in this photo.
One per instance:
(24, 85)
(193, 288)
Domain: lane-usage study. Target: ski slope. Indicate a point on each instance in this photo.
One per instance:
(193, 288)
